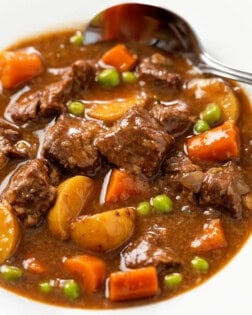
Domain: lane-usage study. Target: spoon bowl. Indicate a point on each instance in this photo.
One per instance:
(158, 27)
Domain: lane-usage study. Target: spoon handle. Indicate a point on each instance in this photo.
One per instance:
(212, 66)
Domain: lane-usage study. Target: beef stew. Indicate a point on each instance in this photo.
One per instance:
(120, 185)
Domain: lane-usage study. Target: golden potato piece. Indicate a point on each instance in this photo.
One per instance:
(72, 194)
(104, 231)
(215, 90)
(113, 110)
(10, 232)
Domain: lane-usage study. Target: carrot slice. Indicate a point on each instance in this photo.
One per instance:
(19, 67)
(119, 57)
(121, 186)
(91, 269)
(218, 144)
(133, 284)
(211, 237)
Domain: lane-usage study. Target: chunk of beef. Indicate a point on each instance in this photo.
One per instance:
(43, 103)
(30, 192)
(146, 252)
(12, 141)
(180, 170)
(53, 97)
(83, 73)
(161, 68)
(175, 117)
(69, 144)
(137, 143)
(223, 187)
(180, 163)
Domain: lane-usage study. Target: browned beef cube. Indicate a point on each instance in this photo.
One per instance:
(83, 74)
(223, 187)
(45, 102)
(30, 192)
(146, 252)
(69, 144)
(13, 143)
(160, 68)
(175, 118)
(181, 173)
(52, 98)
(137, 143)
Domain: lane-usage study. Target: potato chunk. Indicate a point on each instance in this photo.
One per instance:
(112, 110)
(104, 231)
(216, 91)
(10, 232)
(72, 195)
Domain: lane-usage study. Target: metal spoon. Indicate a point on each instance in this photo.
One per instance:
(158, 27)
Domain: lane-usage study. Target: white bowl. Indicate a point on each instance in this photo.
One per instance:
(225, 31)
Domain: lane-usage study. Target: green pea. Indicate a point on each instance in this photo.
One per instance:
(109, 78)
(76, 108)
(143, 208)
(172, 280)
(200, 126)
(200, 264)
(212, 114)
(11, 273)
(77, 38)
(162, 203)
(71, 289)
(45, 287)
(129, 77)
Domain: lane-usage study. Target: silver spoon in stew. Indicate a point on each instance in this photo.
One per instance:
(158, 27)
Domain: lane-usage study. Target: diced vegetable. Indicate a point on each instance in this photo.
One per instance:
(113, 110)
(218, 144)
(143, 208)
(162, 203)
(71, 289)
(77, 38)
(72, 195)
(200, 126)
(104, 231)
(11, 273)
(109, 78)
(17, 67)
(133, 284)
(76, 108)
(212, 114)
(34, 265)
(46, 287)
(211, 237)
(91, 270)
(172, 280)
(10, 232)
(200, 264)
(121, 186)
(129, 77)
(204, 89)
(119, 57)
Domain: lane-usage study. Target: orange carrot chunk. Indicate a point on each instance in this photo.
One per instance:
(133, 284)
(218, 144)
(211, 237)
(19, 67)
(121, 186)
(119, 57)
(91, 270)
